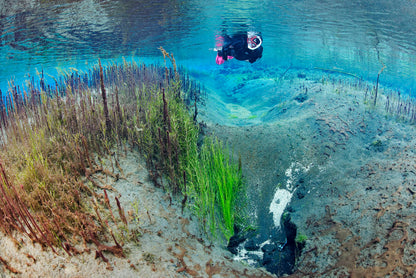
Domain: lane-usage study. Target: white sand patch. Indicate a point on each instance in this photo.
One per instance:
(243, 254)
(283, 196)
(280, 200)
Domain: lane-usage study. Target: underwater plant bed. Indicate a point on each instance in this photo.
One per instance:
(63, 145)
(160, 240)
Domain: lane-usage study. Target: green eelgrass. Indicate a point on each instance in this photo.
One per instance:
(217, 185)
(49, 143)
(214, 182)
(207, 174)
(226, 176)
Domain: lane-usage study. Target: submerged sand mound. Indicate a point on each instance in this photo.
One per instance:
(161, 241)
(355, 204)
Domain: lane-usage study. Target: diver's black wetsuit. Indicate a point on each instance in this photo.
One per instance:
(236, 46)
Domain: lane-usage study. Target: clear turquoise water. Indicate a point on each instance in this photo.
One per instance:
(350, 36)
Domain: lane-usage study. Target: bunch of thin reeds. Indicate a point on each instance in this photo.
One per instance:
(216, 186)
(401, 106)
(54, 136)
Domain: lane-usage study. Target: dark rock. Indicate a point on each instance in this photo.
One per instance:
(238, 238)
(290, 230)
(235, 241)
(279, 262)
(268, 248)
(301, 97)
(300, 194)
(251, 245)
(279, 256)
(268, 259)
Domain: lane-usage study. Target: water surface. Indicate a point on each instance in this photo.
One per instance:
(356, 37)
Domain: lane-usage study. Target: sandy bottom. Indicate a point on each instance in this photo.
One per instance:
(352, 181)
(164, 242)
(352, 172)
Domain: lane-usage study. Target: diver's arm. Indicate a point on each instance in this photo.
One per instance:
(253, 59)
(257, 54)
(227, 50)
(233, 45)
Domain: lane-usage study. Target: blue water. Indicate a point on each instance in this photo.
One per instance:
(355, 37)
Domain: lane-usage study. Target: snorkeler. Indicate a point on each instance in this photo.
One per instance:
(243, 47)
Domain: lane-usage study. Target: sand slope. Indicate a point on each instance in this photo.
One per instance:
(355, 201)
(166, 242)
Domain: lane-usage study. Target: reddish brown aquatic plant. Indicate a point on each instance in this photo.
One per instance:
(53, 205)
(121, 212)
(104, 96)
(8, 266)
(15, 214)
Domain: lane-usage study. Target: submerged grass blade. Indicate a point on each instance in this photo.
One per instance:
(216, 187)
(49, 144)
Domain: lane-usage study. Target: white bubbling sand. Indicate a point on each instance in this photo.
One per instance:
(280, 200)
(282, 196)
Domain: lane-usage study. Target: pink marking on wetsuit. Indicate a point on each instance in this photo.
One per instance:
(219, 41)
(219, 60)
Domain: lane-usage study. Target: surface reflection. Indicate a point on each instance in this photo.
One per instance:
(355, 36)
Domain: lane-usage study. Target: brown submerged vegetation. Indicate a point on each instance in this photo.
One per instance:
(53, 139)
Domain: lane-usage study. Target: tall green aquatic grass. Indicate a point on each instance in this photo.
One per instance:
(54, 138)
(206, 174)
(218, 183)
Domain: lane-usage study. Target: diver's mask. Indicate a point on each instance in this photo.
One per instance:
(253, 41)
